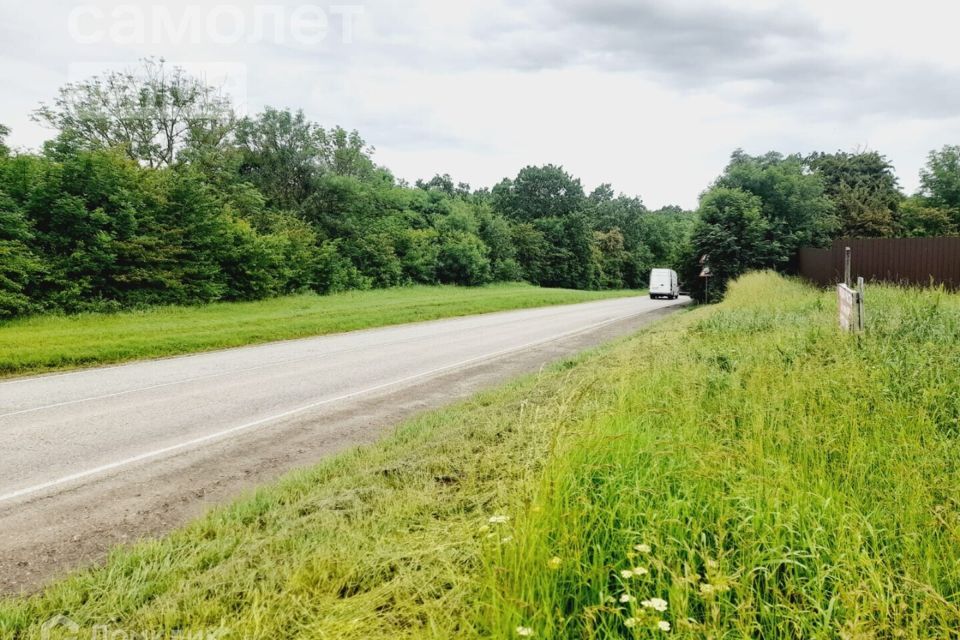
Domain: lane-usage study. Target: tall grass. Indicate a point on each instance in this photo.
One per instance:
(48, 343)
(789, 482)
(745, 470)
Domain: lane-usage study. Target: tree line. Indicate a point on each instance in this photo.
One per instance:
(763, 209)
(153, 191)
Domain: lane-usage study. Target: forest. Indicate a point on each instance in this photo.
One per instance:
(153, 191)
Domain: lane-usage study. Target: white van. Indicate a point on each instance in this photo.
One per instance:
(664, 284)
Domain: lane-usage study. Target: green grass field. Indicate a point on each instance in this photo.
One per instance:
(742, 470)
(47, 343)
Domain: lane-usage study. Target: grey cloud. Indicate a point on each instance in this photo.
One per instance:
(784, 57)
(690, 45)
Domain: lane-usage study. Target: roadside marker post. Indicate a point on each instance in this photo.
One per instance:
(849, 301)
(852, 315)
(847, 260)
(706, 274)
(861, 307)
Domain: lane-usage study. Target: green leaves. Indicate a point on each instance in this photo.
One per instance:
(539, 192)
(940, 181)
(863, 189)
(151, 113)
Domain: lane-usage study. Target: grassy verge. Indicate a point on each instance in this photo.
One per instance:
(48, 343)
(744, 468)
(757, 475)
(386, 542)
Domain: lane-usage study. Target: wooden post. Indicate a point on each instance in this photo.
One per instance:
(861, 311)
(852, 316)
(846, 267)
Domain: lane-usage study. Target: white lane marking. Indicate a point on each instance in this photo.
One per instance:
(266, 345)
(278, 363)
(286, 414)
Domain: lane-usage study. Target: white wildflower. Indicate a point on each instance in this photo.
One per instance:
(643, 548)
(627, 598)
(631, 622)
(525, 632)
(639, 571)
(657, 604)
(626, 574)
(663, 625)
(498, 519)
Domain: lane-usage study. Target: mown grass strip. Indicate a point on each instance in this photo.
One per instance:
(386, 542)
(49, 343)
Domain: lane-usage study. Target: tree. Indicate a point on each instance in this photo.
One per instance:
(496, 233)
(539, 192)
(919, 219)
(570, 259)
(419, 250)
(612, 257)
(283, 153)
(792, 200)
(607, 212)
(603, 193)
(462, 259)
(90, 216)
(665, 233)
(153, 193)
(280, 154)
(345, 153)
(532, 247)
(940, 181)
(732, 233)
(444, 184)
(153, 113)
(4, 149)
(863, 189)
(335, 272)
(18, 265)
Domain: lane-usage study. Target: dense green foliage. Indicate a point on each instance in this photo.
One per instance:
(40, 344)
(807, 202)
(816, 504)
(154, 192)
(940, 182)
(863, 190)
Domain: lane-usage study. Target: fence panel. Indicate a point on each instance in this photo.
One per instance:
(913, 261)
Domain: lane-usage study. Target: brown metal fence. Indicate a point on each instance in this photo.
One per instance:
(915, 261)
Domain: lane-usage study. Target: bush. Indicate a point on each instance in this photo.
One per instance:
(463, 260)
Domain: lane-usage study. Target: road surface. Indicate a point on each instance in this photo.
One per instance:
(100, 456)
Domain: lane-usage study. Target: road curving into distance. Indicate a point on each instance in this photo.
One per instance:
(96, 457)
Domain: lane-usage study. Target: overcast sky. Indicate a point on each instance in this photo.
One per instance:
(650, 95)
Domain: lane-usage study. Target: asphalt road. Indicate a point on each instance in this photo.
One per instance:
(104, 452)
